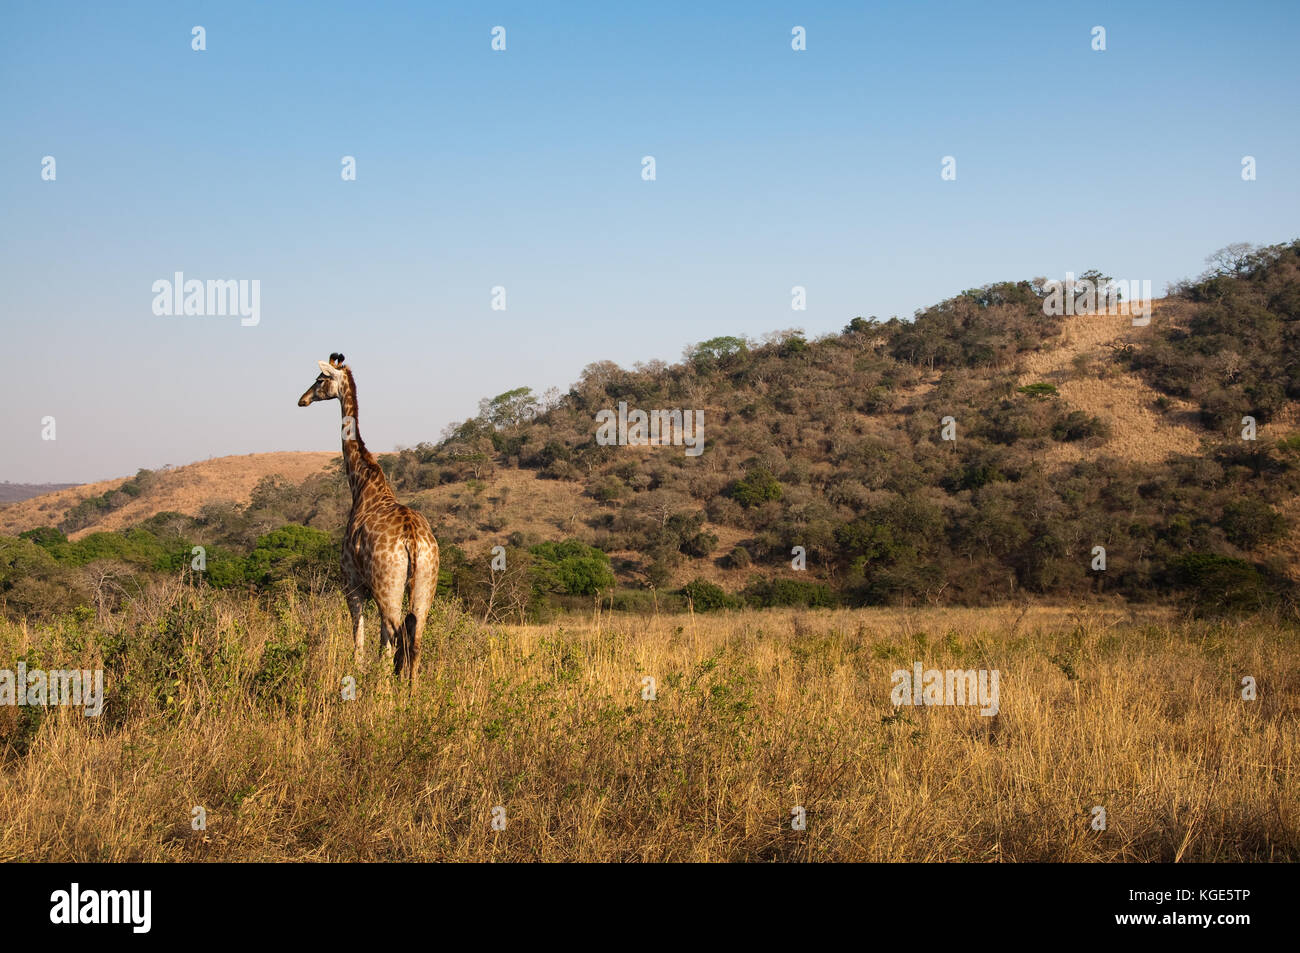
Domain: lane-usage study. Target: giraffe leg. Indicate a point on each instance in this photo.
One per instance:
(387, 643)
(397, 632)
(356, 606)
(415, 624)
(355, 591)
(389, 598)
(390, 629)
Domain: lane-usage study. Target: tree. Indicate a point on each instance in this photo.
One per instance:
(663, 505)
(104, 579)
(1235, 259)
(508, 410)
(715, 350)
(470, 445)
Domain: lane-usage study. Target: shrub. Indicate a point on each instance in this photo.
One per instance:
(757, 487)
(708, 597)
(1250, 523)
(44, 536)
(570, 568)
(1040, 389)
(290, 552)
(700, 545)
(764, 593)
(609, 489)
(1076, 425)
(738, 558)
(1220, 583)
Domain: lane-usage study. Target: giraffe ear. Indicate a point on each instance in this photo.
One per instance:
(328, 368)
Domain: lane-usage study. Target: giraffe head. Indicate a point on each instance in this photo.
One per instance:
(329, 385)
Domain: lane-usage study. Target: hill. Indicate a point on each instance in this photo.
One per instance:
(13, 492)
(979, 453)
(184, 489)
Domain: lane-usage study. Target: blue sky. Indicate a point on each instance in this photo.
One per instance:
(522, 169)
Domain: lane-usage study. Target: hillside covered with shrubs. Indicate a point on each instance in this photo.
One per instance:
(825, 479)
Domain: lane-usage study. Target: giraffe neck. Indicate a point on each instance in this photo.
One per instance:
(365, 478)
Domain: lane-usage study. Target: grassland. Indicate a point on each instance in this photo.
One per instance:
(235, 704)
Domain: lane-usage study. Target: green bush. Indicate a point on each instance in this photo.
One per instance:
(757, 487)
(708, 597)
(645, 602)
(290, 552)
(700, 545)
(1250, 523)
(1220, 583)
(1039, 389)
(46, 537)
(609, 489)
(806, 593)
(571, 568)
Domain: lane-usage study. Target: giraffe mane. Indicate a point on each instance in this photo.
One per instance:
(366, 456)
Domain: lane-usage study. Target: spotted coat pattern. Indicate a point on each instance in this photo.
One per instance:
(389, 551)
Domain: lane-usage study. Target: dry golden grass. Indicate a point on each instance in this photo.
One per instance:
(236, 706)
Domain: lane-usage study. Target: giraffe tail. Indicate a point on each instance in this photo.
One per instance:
(412, 551)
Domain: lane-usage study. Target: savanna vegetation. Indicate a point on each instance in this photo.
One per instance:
(834, 445)
(649, 679)
(236, 705)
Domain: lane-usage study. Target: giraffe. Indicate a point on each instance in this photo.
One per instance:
(387, 547)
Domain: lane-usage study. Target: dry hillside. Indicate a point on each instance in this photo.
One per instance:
(181, 489)
(1140, 431)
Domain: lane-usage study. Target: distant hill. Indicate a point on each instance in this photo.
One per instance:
(13, 492)
(184, 489)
